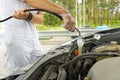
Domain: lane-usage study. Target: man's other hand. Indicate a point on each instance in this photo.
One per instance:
(69, 22)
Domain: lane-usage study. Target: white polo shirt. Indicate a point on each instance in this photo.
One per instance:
(19, 37)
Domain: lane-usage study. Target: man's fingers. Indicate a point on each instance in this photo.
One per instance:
(16, 15)
(69, 26)
(20, 14)
(69, 22)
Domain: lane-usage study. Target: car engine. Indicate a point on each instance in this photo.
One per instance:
(92, 57)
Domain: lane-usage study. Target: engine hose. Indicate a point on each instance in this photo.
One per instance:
(5, 19)
(77, 58)
(86, 66)
(33, 10)
(45, 11)
(78, 31)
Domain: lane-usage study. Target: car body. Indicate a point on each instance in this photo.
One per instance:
(81, 58)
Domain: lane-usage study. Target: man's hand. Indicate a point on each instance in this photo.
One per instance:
(69, 22)
(20, 14)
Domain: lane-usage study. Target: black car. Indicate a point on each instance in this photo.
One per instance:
(92, 57)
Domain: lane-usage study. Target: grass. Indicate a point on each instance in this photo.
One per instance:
(49, 27)
(45, 38)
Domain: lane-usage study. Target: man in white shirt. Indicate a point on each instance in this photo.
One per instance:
(19, 37)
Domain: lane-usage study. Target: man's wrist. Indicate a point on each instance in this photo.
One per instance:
(30, 16)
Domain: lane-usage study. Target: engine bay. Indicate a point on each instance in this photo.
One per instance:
(92, 57)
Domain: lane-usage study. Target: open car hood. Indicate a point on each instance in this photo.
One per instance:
(75, 59)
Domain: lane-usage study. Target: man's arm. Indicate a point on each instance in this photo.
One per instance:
(46, 5)
(69, 22)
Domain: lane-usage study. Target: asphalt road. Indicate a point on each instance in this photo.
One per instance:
(47, 45)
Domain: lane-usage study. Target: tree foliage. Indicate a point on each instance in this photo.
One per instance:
(97, 12)
(103, 12)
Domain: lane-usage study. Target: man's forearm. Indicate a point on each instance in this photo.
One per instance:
(37, 19)
(46, 5)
